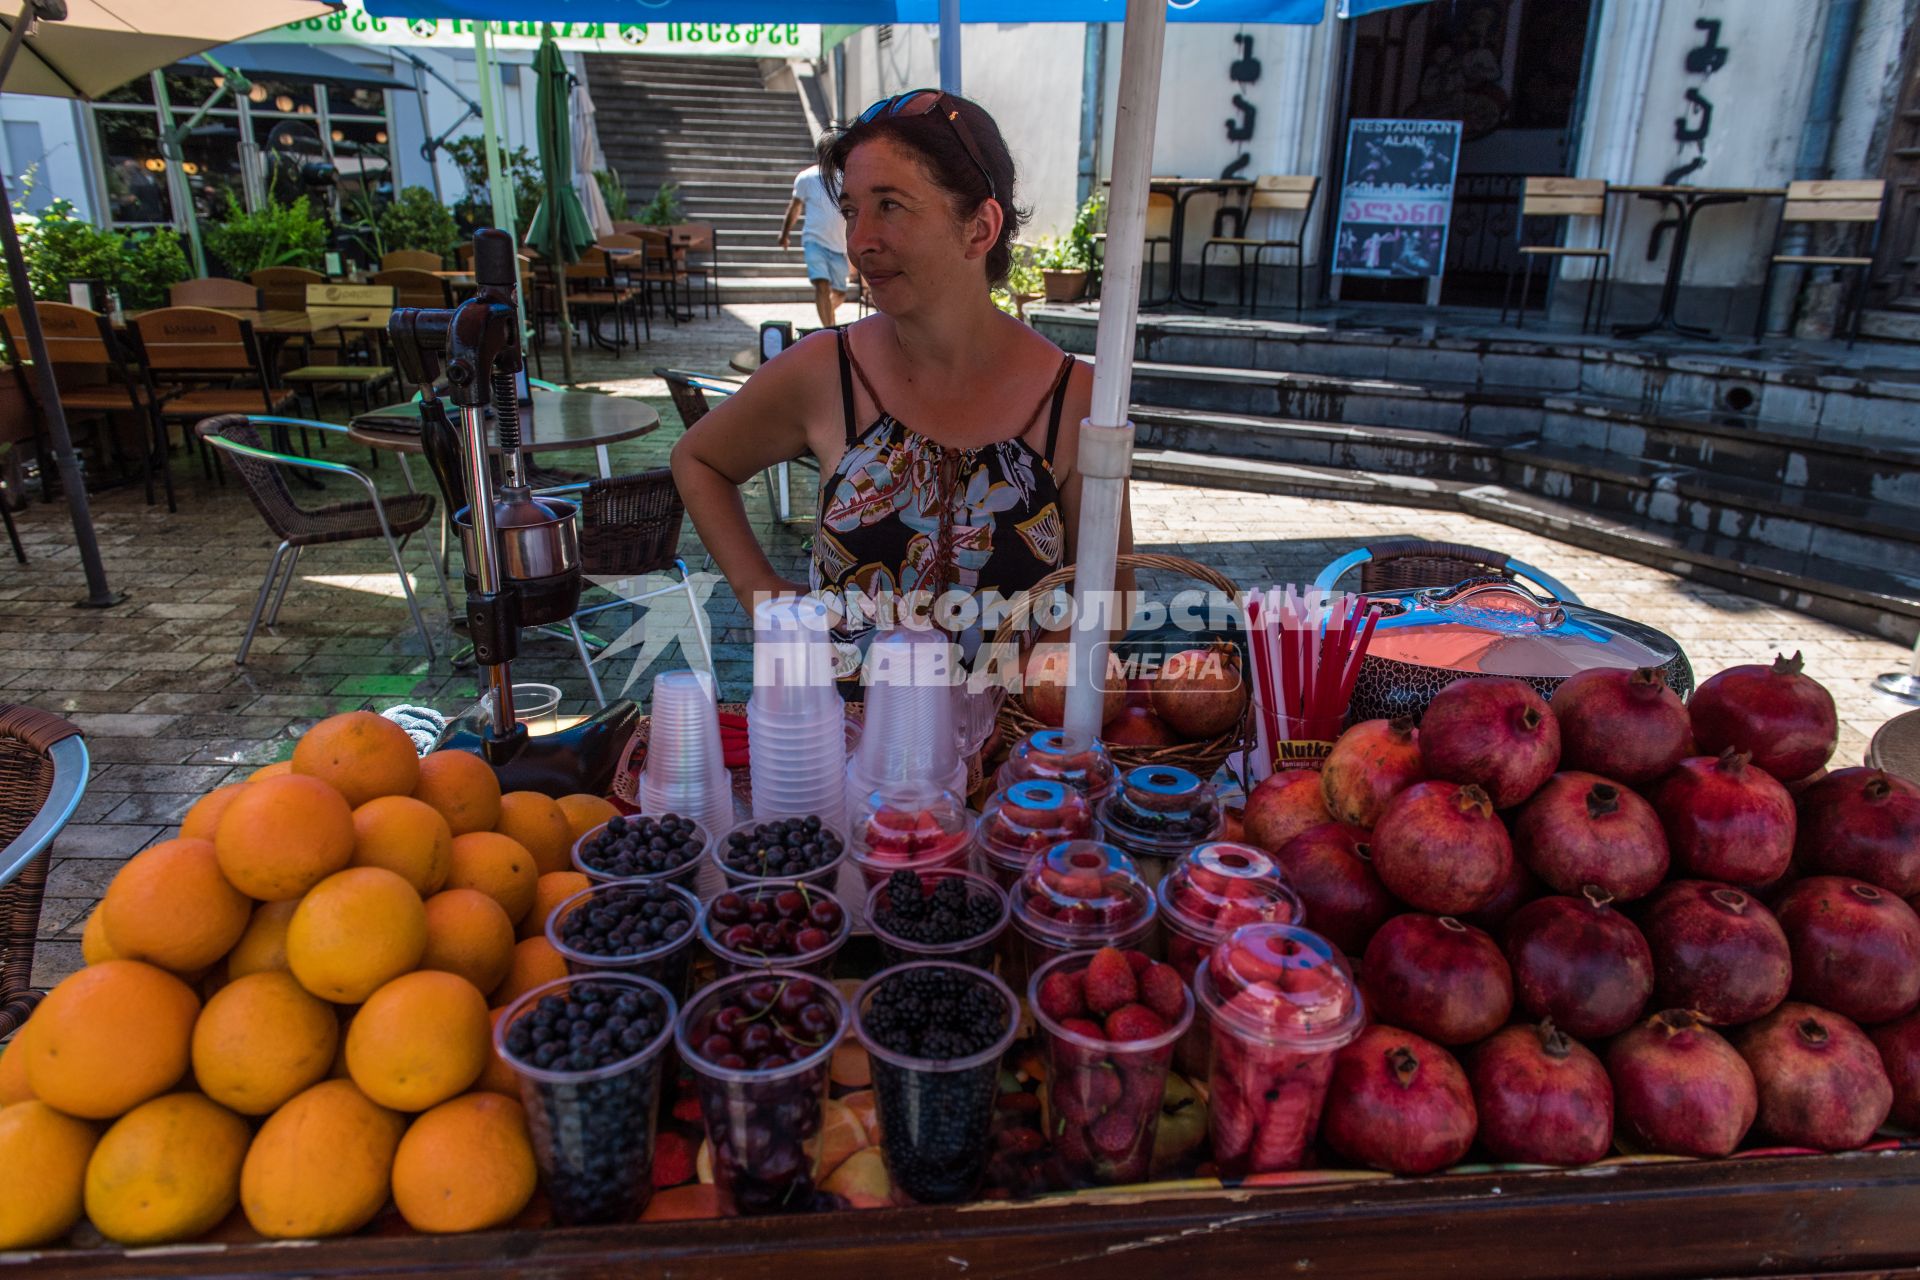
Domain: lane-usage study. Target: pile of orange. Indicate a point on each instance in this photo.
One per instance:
(289, 1007)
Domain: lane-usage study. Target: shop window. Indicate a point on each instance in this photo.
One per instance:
(211, 154)
(135, 173)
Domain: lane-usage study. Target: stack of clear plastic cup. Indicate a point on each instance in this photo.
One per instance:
(1078, 896)
(796, 719)
(1279, 1000)
(685, 773)
(1159, 813)
(1047, 755)
(909, 734)
(1027, 819)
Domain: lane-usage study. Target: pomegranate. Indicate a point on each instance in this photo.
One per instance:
(1820, 1079)
(1726, 821)
(1284, 805)
(1043, 689)
(1856, 949)
(1516, 891)
(1785, 720)
(1440, 848)
(1716, 951)
(1622, 724)
(1232, 827)
(1496, 733)
(1331, 867)
(1580, 829)
(1201, 693)
(1580, 963)
(1438, 977)
(1899, 1046)
(1139, 690)
(1371, 764)
(1136, 726)
(1398, 1102)
(1679, 1088)
(1542, 1097)
(1862, 823)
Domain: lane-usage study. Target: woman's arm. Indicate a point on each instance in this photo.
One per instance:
(762, 424)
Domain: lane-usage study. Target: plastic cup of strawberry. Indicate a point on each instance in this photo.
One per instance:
(1280, 1000)
(1215, 889)
(911, 827)
(1025, 820)
(1080, 895)
(1047, 755)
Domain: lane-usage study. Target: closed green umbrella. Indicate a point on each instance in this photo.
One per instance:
(560, 228)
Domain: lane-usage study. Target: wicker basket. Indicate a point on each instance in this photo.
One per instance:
(1201, 758)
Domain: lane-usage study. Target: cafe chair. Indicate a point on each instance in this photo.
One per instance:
(1408, 564)
(690, 392)
(199, 363)
(1853, 209)
(1561, 199)
(594, 287)
(284, 288)
(96, 382)
(412, 260)
(413, 287)
(217, 292)
(6, 514)
(365, 377)
(630, 527)
(43, 776)
(394, 518)
(1274, 195)
(699, 247)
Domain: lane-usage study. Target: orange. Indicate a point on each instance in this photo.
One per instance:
(497, 866)
(109, 1037)
(203, 820)
(94, 947)
(170, 906)
(406, 836)
(539, 824)
(282, 836)
(359, 754)
(465, 1165)
(13, 1069)
(355, 931)
(534, 962)
(46, 1155)
(278, 769)
(321, 1165)
(584, 813)
(263, 946)
(260, 1040)
(419, 1040)
(497, 1076)
(167, 1170)
(550, 891)
(468, 933)
(462, 787)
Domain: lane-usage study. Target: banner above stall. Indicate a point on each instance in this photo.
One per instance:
(683, 15)
(642, 30)
(1360, 8)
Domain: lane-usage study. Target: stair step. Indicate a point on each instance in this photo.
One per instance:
(1278, 440)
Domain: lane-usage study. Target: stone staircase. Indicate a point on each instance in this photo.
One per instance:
(731, 146)
(1792, 482)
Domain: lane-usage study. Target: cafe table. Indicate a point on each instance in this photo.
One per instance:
(1180, 191)
(1685, 203)
(554, 422)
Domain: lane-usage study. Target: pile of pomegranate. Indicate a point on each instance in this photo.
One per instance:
(1194, 695)
(1615, 918)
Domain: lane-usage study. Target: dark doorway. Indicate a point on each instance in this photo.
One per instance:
(1511, 72)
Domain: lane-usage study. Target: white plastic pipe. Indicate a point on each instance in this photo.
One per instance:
(1106, 436)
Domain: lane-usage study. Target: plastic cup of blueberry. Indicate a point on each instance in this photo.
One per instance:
(644, 927)
(935, 1033)
(780, 924)
(662, 846)
(759, 1045)
(799, 848)
(938, 915)
(588, 1050)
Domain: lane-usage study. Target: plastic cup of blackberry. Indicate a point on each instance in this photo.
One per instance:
(752, 957)
(664, 846)
(800, 847)
(588, 1050)
(938, 915)
(935, 1033)
(761, 1120)
(1104, 1095)
(645, 927)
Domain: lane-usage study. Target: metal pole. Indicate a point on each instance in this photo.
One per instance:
(950, 46)
(499, 186)
(173, 150)
(99, 595)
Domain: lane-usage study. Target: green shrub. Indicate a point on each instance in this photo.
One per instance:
(153, 262)
(664, 209)
(614, 192)
(469, 155)
(417, 220)
(279, 235)
(60, 249)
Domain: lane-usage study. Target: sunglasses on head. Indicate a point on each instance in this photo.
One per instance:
(924, 102)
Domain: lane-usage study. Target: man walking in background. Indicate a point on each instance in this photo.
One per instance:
(823, 240)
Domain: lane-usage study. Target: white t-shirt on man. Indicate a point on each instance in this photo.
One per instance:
(821, 221)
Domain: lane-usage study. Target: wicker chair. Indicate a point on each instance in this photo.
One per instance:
(1408, 564)
(395, 518)
(43, 774)
(689, 392)
(630, 527)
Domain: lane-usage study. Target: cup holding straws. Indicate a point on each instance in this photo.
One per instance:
(1306, 647)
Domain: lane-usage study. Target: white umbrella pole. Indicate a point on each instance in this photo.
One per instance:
(950, 46)
(1106, 435)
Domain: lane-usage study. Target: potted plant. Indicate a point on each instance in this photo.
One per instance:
(1063, 275)
(663, 210)
(276, 235)
(1024, 283)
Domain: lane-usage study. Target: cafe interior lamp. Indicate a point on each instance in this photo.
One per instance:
(257, 94)
(381, 137)
(284, 102)
(154, 164)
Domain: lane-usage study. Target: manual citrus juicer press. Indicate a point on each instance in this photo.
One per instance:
(522, 551)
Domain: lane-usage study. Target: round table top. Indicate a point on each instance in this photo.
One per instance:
(745, 360)
(1896, 747)
(559, 420)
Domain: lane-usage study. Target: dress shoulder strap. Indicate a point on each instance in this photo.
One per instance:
(846, 387)
(1059, 403)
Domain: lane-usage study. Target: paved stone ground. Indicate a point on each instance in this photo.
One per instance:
(168, 716)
